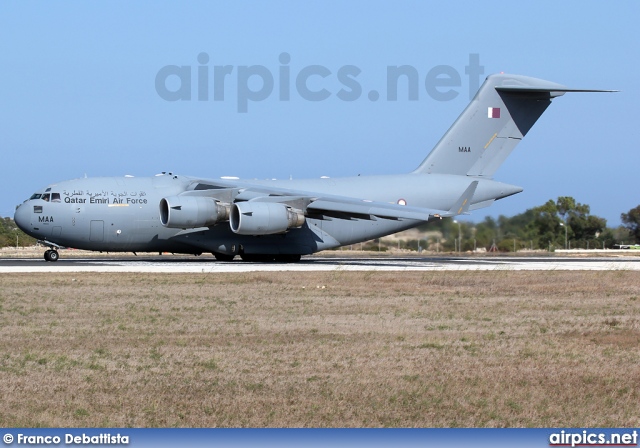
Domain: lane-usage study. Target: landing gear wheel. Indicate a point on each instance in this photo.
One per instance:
(53, 255)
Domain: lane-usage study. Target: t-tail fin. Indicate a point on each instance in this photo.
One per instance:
(498, 117)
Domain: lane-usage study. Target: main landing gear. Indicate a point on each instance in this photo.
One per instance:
(51, 255)
(260, 258)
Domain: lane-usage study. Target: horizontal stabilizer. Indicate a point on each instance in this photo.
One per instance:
(560, 89)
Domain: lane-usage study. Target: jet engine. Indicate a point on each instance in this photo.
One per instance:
(263, 218)
(188, 212)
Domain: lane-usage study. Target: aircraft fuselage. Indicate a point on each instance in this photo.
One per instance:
(121, 214)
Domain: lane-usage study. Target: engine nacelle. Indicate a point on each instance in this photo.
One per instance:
(263, 218)
(188, 212)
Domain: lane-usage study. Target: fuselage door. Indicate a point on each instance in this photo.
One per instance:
(96, 231)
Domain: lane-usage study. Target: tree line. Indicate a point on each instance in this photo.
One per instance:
(559, 224)
(11, 235)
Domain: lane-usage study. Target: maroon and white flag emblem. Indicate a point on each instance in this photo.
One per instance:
(494, 112)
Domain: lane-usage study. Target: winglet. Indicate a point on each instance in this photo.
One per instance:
(462, 205)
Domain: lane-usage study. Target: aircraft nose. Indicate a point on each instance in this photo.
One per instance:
(21, 217)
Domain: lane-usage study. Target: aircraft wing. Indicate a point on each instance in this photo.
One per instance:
(357, 207)
(394, 211)
(312, 202)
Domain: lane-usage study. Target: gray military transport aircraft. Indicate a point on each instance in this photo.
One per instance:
(282, 220)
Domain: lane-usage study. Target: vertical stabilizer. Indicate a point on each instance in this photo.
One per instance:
(499, 116)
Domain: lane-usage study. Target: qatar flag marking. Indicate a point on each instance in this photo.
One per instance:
(494, 112)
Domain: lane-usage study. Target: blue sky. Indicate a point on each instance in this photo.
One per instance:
(79, 91)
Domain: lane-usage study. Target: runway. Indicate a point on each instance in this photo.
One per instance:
(168, 264)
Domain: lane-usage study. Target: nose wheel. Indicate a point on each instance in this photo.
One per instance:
(51, 255)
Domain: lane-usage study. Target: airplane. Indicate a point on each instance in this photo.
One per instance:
(281, 220)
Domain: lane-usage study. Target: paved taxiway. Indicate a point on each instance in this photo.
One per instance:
(207, 265)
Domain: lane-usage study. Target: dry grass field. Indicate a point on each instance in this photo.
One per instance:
(336, 349)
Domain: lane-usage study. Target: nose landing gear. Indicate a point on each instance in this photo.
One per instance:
(51, 255)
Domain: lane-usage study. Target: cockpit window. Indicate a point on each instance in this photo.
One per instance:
(45, 197)
(36, 196)
(55, 197)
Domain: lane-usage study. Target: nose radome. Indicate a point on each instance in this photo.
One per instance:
(21, 217)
